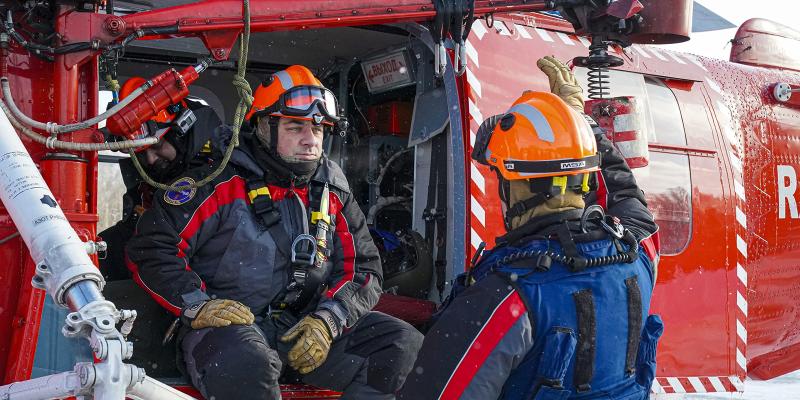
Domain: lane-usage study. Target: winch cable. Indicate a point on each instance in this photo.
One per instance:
(245, 101)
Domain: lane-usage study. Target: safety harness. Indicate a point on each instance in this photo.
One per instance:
(593, 225)
(307, 251)
(610, 227)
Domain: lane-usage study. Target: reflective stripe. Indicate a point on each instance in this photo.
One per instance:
(537, 119)
(286, 80)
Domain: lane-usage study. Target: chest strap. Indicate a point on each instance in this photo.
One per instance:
(261, 201)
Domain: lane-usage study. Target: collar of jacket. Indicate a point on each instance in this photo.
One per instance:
(540, 226)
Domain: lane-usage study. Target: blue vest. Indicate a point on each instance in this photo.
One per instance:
(593, 339)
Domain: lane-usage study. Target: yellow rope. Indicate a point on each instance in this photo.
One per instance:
(245, 100)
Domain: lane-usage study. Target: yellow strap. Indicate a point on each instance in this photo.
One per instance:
(262, 191)
(585, 185)
(316, 216)
(560, 181)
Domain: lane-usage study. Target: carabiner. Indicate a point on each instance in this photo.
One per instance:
(304, 255)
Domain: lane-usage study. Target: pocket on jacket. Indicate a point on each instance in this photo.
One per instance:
(646, 355)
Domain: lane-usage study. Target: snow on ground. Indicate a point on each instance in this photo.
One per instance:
(786, 387)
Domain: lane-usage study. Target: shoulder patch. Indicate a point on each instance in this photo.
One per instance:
(182, 197)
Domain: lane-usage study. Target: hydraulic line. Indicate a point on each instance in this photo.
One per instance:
(54, 128)
(53, 143)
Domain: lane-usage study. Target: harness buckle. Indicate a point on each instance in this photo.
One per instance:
(304, 249)
(617, 231)
(274, 312)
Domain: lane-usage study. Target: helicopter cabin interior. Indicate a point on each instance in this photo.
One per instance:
(399, 153)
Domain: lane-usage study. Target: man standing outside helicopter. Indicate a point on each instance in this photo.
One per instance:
(272, 264)
(559, 308)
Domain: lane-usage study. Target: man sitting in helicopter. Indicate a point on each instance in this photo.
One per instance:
(185, 131)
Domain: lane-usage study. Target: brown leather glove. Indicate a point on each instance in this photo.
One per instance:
(217, 313)
(314, 337)
(562, 82)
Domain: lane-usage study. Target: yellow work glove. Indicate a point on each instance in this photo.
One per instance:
(562, 82)
(314, 337)
(217, 313)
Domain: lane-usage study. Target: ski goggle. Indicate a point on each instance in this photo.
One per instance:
(308, 102)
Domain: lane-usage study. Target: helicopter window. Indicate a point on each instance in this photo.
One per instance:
(109, 178)
(667, 121)
(669, 198)
(626, 84)
(109, 199)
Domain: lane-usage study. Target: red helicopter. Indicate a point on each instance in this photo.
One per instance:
(713, 145)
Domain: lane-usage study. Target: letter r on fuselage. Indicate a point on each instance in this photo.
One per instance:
(786, 192)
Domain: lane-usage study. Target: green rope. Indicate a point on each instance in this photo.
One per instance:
(245, 100)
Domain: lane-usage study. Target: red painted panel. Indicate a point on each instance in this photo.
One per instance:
(36, 85)
(696, 288)
(763, 135)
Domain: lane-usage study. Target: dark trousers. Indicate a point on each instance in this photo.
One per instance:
(369, 361)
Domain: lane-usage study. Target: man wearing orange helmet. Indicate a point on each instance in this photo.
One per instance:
(274, 265)
(185, 131)
(559, 307)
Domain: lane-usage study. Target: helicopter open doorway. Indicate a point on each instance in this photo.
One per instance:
(399, 155)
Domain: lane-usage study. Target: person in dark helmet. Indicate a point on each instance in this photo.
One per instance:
(559, 308)
(271, 266)
(185, 131)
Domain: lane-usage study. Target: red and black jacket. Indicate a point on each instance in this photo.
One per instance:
(211, 244)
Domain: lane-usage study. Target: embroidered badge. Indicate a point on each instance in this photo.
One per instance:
(177, 198)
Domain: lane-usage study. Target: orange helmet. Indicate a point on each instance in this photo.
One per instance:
(539, 136)
(294, 92)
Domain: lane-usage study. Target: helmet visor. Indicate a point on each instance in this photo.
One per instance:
(482, 139)
(302, 101)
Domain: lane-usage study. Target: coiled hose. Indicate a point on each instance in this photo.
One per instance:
(575, 263)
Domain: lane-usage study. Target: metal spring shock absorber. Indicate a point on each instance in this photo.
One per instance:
(598, 63)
